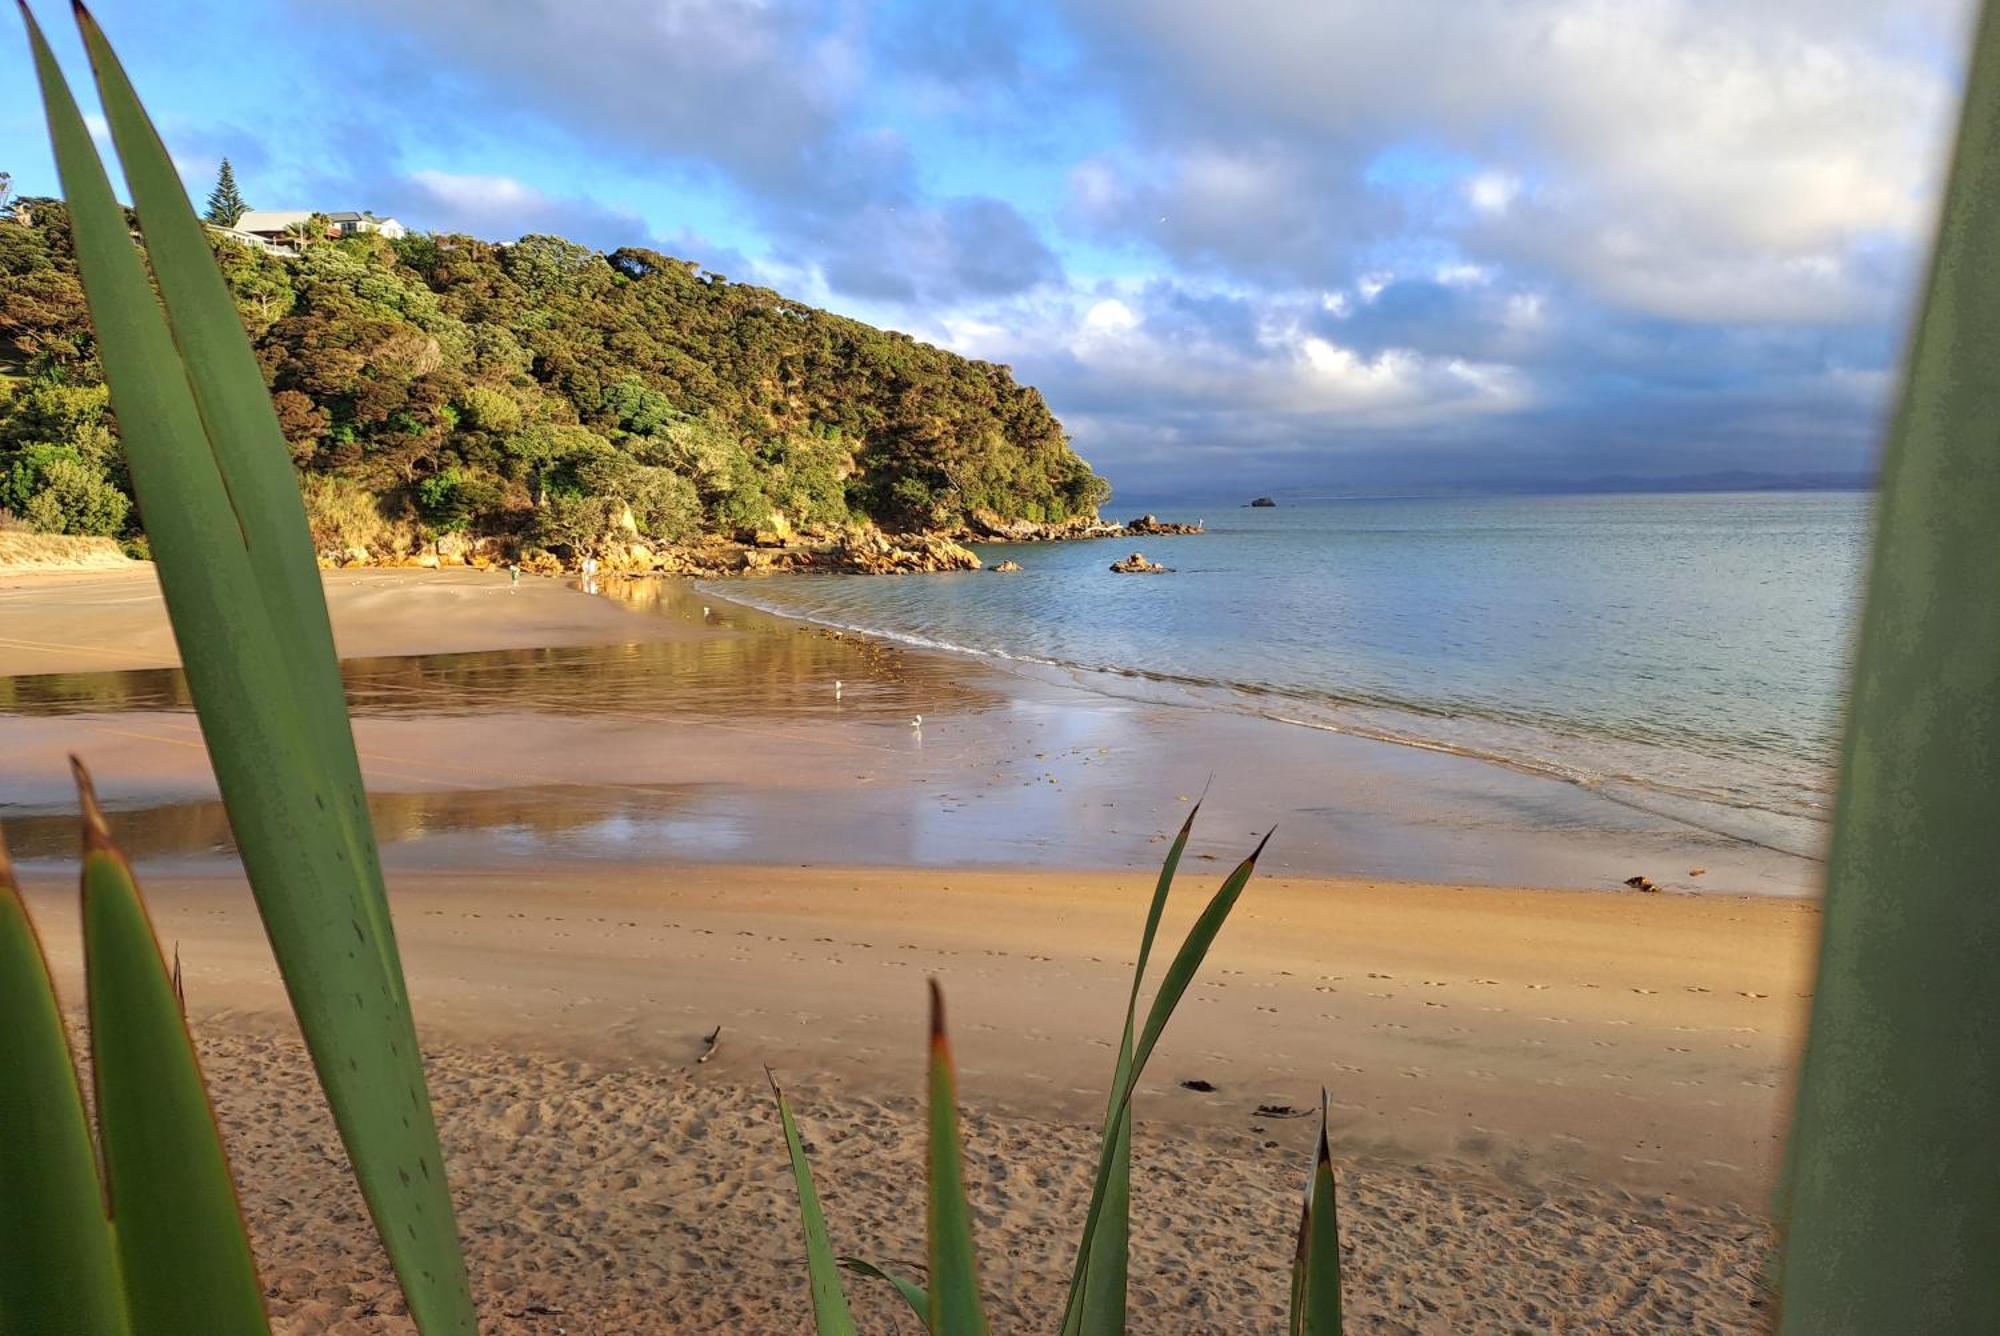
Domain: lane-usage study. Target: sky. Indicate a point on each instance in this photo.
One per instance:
(1318, 245)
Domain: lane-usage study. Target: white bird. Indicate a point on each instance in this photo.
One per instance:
(917, 722)
(836, 688)
(704, 609)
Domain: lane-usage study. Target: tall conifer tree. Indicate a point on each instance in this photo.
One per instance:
(225, 204)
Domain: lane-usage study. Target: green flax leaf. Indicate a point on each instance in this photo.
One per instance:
(181, 1242)
(58, 1263)
(291, 786)
(1173, 985)
(1096, 1303)
(912, 1293)
(249, 449)
(830, 1313)
(1316, 1269)
(1891, 1212)
(954, 1295)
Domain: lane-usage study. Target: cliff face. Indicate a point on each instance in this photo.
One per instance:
(548, 396)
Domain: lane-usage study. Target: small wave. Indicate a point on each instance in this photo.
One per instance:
(1658, 780)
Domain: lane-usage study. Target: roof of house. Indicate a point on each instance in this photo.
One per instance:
(271, 220)
(277, 220)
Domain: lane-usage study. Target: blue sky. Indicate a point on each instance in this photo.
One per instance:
(1311, 243)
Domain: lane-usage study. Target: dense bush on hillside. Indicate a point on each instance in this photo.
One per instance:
(544, 391)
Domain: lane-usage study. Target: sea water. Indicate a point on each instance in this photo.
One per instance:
(1682, 653)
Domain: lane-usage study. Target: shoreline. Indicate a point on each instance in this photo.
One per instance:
(1694, 812)
(648, 725)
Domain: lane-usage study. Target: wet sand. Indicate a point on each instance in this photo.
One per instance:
(1553, 1109)
(1549, 1108)
(696, 729)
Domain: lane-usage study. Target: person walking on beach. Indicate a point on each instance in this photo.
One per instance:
(513, 575)
(590, 575)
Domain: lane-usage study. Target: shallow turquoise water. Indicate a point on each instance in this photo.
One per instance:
(1684, 653)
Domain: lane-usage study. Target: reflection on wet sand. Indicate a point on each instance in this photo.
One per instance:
(711, 732)
(754, 665)
(536, 818)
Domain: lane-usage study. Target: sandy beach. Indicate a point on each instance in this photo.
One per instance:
(1554, 1107)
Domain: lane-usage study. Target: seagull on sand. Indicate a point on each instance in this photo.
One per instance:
(917, 722)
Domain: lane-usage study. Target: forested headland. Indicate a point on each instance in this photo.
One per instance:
(544, 397)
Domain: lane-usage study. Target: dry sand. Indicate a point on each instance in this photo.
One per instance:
(1551, 1110)
(78, 621)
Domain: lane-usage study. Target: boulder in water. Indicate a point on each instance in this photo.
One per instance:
(1136, 564)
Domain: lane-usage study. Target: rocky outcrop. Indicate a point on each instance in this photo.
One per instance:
(1263, 503)
(872, 552)
(1136, 564)
(983, 526)
(1148, 525)
(1007, 568)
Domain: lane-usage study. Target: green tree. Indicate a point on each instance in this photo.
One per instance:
(544, 369)
(225, 204)
(56, 490)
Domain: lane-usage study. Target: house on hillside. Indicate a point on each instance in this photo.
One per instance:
(276, 227)
(347, 224)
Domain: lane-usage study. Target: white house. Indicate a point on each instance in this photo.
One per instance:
(347, 224)
(274, 225)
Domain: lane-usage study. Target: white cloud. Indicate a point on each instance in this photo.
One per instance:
(1665, 137)
(1110, 316)
(1493, 192)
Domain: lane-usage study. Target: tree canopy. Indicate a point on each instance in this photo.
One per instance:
(547, 391)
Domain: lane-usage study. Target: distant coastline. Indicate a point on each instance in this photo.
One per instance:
(1299, 494)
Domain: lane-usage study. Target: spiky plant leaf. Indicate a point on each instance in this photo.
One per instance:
(181, 1244)
(912, 1293)
(1892, 1213)
(830, 1314)
(1316, 1265)
(1173, 985)
(1098, 1305)
(954, 1295)
(250, 623)
(58, 1262)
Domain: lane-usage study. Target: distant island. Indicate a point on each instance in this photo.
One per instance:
(542, 401)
